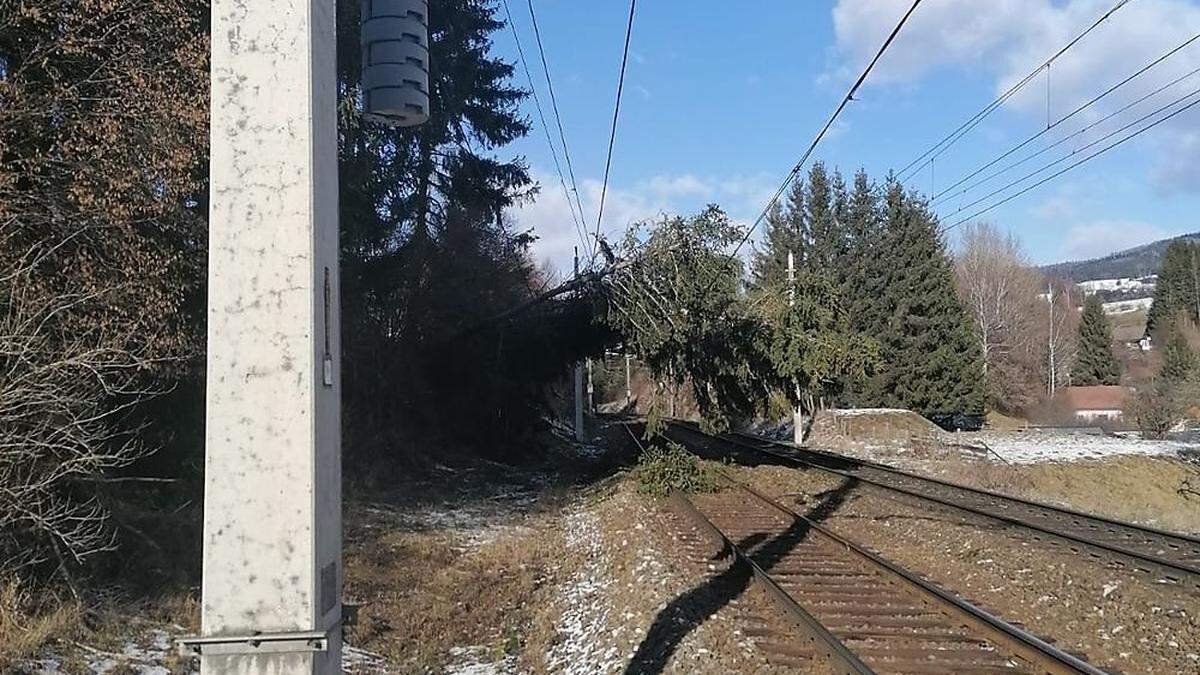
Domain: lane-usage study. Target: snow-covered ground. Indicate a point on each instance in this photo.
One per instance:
(857, 412)
(1127, 285)
(1127, 306)
(1031, 447)
(147, 655)
(586, 609)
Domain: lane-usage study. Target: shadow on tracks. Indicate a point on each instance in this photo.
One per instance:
(685, 613)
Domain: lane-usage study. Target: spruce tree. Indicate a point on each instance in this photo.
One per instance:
(1177, 291)
(1095, 363)
(820, 222)
(785, 231)
(932, 362)
(864, 277)
(1179, 361)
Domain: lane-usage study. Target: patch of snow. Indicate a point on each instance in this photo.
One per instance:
(362, 662)
(474, 661)
(1125, 284)
(584, 622)
(1127, 306)
(145, 655)
(1035, 447)
(854, 412)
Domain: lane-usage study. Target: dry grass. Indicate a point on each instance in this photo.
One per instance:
(1131, 487)
(27, 625)
(425, 593)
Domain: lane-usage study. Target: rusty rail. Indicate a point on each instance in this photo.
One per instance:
(870, 614)
(857, 611)
(1173, 557)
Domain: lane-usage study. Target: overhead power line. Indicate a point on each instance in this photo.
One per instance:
(821, 134)
(537, 33)
(579, 220)
(1077, 133)
(1141, 71)
(1088, 158)
(941, 146)
(612, 138)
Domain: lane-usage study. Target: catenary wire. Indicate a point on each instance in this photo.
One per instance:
(1075, 152)
(612, 139)
(1090, 157)
(1079, 132)
(941, 146)
(1141, 71)
(577, 219)
(821, 134)
(562, 136)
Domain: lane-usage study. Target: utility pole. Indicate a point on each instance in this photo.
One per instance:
(671, 375)
(591, 390)
(272, 568)
(798, 412)
(1053, 379)
(628, 383)
(272, 571)
(579, 435)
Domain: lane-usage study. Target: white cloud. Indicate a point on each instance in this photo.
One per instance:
(1095, 239)
(1006, 39)
(550, 216)
(1179, 171)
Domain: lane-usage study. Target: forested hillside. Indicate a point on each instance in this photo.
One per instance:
(1139, 261)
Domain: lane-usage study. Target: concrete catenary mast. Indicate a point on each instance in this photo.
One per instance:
(272, 511)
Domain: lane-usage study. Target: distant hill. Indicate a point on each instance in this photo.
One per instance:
(1133, 263)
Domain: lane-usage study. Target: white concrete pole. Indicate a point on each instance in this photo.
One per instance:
(1053, 376)
(798, 412)
(272, 503)
(591, 390)
(628, 382)
(672, 380)
(579, 433)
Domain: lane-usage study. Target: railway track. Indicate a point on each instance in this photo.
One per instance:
(1170, 557)
(855, 611)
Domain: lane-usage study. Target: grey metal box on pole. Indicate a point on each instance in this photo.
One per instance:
(395, 61)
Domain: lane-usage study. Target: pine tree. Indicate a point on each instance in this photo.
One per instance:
(1179, 361)
(932, 362)
(1095, 363)
(1177, 291)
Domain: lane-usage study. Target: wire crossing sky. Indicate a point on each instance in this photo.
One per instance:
(718, 113)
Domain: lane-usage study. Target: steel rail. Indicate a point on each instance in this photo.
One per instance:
(836, 653)
(1145, 529)
(925, 646)
(1026, 645)
(1175, 571)
(840, 659)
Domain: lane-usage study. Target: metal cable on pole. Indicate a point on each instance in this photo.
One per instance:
(612, 139)
(579, 220)
(1090, 157)
(941, 146)
(1141, 71)
(537, 33)
(820, 135)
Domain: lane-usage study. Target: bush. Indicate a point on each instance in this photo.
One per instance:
(663, 470)
(1154, 409)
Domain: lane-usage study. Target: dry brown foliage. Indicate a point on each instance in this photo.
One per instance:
(103, 115)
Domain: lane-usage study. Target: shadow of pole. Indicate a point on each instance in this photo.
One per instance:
(685, 613)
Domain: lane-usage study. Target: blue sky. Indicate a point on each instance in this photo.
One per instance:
(719, 103)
